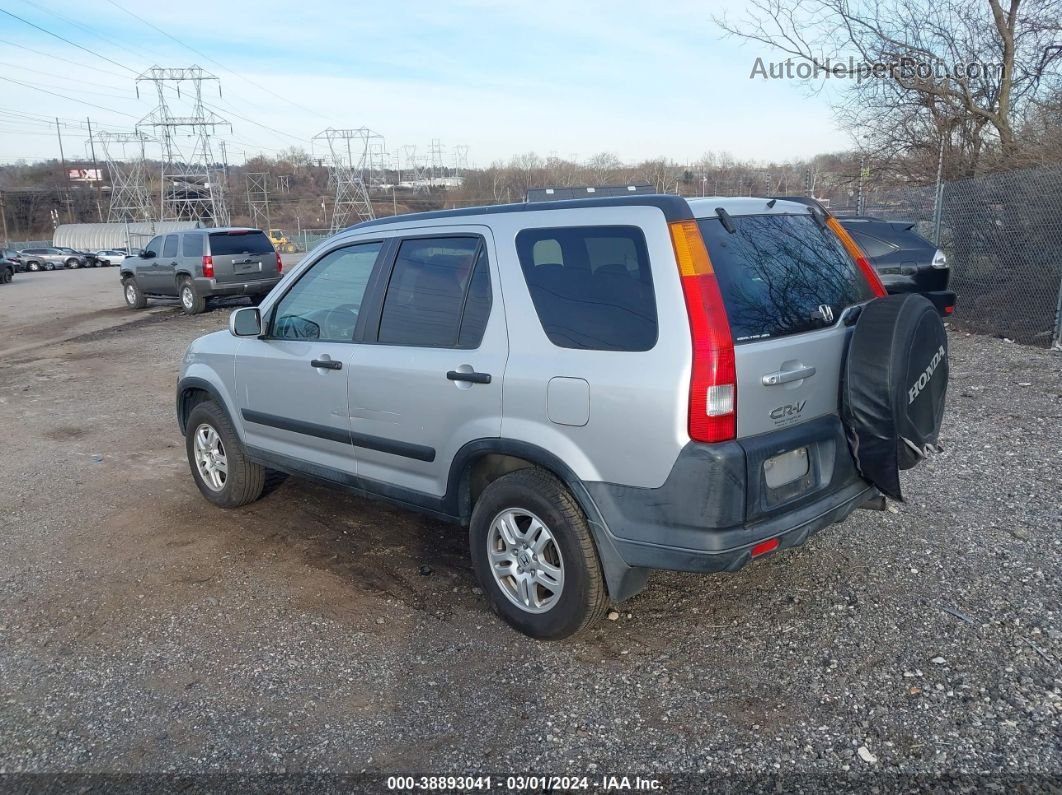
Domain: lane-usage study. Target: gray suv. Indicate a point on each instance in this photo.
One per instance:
(594, 388)
(50, 259)
(200, 264)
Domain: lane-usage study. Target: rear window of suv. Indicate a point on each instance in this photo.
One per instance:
(592, 286)
(223, 243)
(775, 271)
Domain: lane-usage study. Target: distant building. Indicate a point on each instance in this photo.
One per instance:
(94, 237)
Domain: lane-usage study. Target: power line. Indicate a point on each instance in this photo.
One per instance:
(213, 61)
(53, 57)
(63, 96)
(66, 40)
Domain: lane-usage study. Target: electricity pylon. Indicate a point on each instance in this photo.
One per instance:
(130, 199)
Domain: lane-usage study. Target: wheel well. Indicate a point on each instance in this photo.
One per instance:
(190, 398)
(481, 472)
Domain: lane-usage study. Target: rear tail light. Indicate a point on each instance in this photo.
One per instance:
(856, 253)
(713, 380)
(939, 260)
(280, 263)
(948, 310)
(208, 266)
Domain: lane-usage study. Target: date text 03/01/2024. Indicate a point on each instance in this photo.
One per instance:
(521, 783)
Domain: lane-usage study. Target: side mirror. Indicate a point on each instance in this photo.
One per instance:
(245, 322)
(147, 254)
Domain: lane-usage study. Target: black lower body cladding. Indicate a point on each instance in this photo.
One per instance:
(894, 388)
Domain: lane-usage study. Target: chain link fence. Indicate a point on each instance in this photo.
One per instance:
(1002, 234)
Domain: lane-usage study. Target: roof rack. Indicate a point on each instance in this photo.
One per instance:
(585, 192)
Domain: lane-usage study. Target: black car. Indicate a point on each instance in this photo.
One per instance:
(905, 261)
(8, 256)
(9, 265)
(91, 260)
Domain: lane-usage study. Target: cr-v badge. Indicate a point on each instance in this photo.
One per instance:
(790, 411)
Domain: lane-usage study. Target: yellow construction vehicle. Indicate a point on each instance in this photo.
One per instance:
(281, 242)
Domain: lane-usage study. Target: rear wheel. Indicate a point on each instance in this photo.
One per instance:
(219, 465)
(49, 266)
(33, 266)
(534, 555)
(134, 296)
(73, 263)
(191, 302)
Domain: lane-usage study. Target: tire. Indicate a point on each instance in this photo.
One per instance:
(210, 440)
(33, 267)
(48, 266)
(73, 264)
(525, 496)
(134, 296)
(191, 302)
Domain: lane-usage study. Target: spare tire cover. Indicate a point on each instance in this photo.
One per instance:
(895, 381)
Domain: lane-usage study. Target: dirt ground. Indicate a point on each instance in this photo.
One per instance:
(144, 630)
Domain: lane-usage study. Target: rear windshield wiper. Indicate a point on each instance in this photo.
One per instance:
(726, 220)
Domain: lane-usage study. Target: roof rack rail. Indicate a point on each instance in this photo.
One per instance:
(585, 192)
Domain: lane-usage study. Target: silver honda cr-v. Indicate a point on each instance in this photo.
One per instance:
(596, 388)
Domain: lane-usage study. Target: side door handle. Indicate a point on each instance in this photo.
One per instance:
(327, 364)
(472, 378)
(785, 376)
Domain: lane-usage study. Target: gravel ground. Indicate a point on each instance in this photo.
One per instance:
(143, 630)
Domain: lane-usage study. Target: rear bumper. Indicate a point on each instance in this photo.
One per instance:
(716, 506)
(209, 287)
(943, 300)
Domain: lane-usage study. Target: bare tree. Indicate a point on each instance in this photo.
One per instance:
(953, 71)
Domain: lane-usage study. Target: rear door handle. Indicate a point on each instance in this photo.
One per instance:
(473, 377)
(327, 364)
(785, 376)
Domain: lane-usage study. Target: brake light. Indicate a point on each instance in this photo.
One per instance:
(280, 263)
(856, 253)
(713, 380)
(208, 266)
(948, 310)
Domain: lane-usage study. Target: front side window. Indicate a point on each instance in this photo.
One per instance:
(169, 249)
(324, 303)
(592, 286)
(154, 246)
(425, 298)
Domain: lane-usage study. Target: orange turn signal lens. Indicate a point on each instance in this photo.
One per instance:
(690, 253)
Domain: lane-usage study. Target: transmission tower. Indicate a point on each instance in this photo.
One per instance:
(192, 184)
(414, 169)
(436, 160)
(349, 151)
(258, 200)
(130, 199)
(460, 159)
(379, 159)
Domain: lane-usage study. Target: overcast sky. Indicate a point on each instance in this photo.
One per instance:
(638, 79)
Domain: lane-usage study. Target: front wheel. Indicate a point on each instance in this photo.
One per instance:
(534, 556)
(73, 263)
(134, 296)
(219, 465)
(191, 302)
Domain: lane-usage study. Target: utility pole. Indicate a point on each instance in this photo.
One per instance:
(59, 133)
(66, 176)
(95, 170)
(3, 215)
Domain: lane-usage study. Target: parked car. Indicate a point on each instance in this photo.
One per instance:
(688, 384)
(49, 259)
(200, 264)
(8, 267)
(906, 261)
(89, 258)
(9, 255)
(110, 257)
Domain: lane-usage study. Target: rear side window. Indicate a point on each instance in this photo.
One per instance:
(775, 271)
(169, 249)
(224, 243)
(426, 296)
(192, 246)
(592, 286)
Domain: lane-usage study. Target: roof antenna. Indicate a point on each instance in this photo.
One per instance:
(770, 204)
